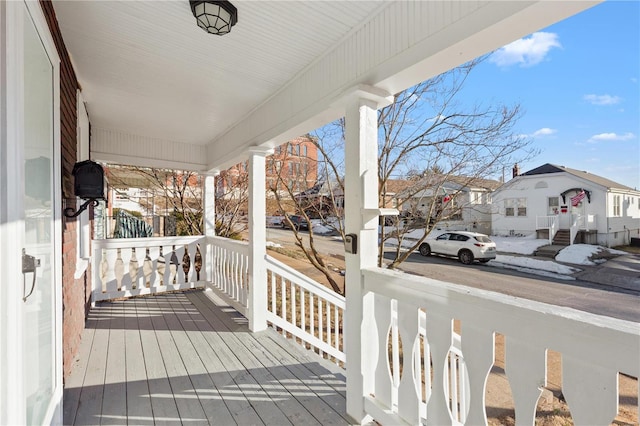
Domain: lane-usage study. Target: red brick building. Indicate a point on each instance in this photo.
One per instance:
(293, 166)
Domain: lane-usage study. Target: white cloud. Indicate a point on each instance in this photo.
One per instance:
(527, 51)
(611, 137)
(602, 99)
(545, 131)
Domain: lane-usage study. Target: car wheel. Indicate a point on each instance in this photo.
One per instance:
(284, 226)
(466, 257)
(425, 250)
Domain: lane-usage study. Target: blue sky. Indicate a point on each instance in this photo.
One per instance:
(578, 82)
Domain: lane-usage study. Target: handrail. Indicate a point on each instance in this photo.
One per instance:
(229, 271)
(594, 350)
(305, 310)
(128, 267)
(575, 225)
(548, 222)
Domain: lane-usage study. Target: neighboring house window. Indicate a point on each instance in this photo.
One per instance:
(476, 197)
(554, 205)
(304, 150)
(515, 207)
(298, 150)
(616, 206)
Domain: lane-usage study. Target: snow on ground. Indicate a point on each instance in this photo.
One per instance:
(272, 244)
(535, 266)
(518, 245)
(319, 227)
(579, 254)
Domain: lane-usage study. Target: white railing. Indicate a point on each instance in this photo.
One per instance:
(575, 226)
(421, 387)
(548, 222)
(128, 267)
(305, 310)
(229, 260)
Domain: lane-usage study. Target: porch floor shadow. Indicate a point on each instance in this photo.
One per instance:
(187, 358)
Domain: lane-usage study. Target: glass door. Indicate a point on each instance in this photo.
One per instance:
(38, 262)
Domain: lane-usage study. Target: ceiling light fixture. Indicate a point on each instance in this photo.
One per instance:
(215, 17)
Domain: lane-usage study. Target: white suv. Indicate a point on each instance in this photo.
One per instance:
(466, 246)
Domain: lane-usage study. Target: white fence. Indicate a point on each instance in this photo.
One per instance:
(594, 350)
(137, 266)
(229, 265)
(548, 222)
(305, 309)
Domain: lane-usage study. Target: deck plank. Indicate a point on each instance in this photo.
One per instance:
(182, 359)
(266, 408)
(165, 411)
(186, 399)
(73, 384)
(138, 401)
(90, 405)
(114, 397)
(238, 405)
(320, 400)
(214, 407)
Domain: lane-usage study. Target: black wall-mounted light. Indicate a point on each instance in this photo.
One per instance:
(215, 17)
(88, 184)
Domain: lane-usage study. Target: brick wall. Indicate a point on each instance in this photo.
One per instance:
(75, 293)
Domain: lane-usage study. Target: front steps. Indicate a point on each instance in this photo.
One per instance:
(561, 240)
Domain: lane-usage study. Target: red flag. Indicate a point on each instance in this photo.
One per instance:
(446, 197)
(576, 199)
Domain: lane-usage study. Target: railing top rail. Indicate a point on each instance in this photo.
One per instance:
(228, 242)
(587, 336)
(305, 282)
(146, 242)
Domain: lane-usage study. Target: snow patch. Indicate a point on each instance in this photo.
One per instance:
(272, 244)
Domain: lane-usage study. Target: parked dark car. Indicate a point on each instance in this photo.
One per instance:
(299, 222)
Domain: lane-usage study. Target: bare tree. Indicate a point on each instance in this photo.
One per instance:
(316, 202)
(232, 202)
(177, 192)
(429, 137)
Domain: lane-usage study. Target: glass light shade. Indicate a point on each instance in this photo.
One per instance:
(215, 17)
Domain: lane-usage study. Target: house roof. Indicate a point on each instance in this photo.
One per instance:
(599, 180)
(450, 182)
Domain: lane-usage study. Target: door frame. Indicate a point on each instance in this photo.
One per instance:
(12, 398)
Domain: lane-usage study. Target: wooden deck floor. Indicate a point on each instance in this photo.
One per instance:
(184, 359)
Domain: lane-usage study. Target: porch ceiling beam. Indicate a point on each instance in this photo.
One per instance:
(406, 43)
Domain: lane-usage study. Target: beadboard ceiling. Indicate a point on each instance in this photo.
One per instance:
(146, 68)
(161, 92)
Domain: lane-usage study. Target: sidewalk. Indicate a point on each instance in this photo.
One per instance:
(621, 272)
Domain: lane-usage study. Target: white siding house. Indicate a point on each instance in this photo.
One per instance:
(609, 213)
(470, 204)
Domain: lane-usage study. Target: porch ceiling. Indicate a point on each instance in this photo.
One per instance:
(161, 92)
(146, 67)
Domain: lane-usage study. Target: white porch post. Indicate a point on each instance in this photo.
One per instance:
(361, 204)
(257, 308)
(209, 218)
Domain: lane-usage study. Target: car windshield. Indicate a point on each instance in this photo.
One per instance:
(482, 238)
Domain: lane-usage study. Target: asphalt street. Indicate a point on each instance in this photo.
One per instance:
(579, 294)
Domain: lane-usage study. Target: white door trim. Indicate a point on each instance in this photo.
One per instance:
(12, 399)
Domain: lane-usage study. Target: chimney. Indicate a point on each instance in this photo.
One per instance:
(516, 170)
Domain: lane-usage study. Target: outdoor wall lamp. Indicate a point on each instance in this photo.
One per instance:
(88, 184)
(215, 17)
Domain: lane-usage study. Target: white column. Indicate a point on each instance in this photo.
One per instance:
(257, 308)
(210, 203)
(209, 220)
(361, 204)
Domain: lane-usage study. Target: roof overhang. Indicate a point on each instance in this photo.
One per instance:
(161, 92)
